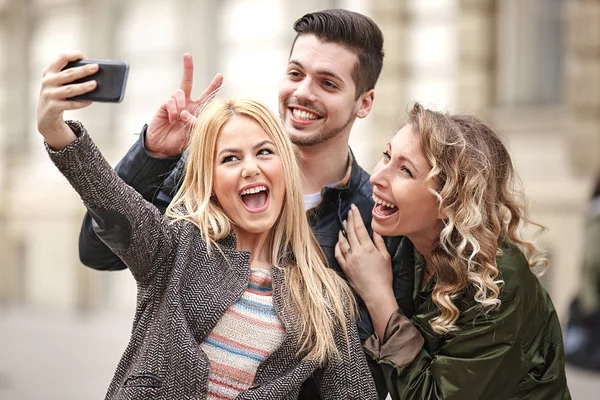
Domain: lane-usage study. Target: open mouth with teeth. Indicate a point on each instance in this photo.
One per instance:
(383, 209)
(302, 116)
(255, 199)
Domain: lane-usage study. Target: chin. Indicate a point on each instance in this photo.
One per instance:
(383, 230)
(258, 227)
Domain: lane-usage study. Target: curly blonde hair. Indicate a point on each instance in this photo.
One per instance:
(482, 207)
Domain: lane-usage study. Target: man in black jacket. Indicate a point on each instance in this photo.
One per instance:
(334, 63)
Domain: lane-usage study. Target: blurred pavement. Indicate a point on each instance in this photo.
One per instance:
(56, 356)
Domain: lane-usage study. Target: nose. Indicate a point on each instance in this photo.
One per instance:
(250, 169)
(304, 90)
(379, 178)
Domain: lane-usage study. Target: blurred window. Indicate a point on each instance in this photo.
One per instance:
(530, 50)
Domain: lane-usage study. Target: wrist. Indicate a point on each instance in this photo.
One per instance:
(383, 299)
(155, 154)
(148, 146)
(59, 137)
(381, 308)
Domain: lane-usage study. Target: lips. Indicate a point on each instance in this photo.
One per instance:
(383, 209)
(255, 198)
(302, 117)
(303, 114)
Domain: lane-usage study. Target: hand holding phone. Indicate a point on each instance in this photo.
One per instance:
(111, 80)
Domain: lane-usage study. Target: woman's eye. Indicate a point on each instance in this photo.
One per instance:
(265, 152)
(386, 155)
(227, 159)
(406, 171)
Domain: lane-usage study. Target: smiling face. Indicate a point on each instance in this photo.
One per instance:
(317, 99)
(404, 204)
(248, 177)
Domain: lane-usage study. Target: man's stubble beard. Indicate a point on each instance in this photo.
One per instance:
(319, 137)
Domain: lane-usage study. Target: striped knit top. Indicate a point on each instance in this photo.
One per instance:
(243, 338)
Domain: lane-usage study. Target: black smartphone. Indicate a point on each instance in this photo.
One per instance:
(111, 80)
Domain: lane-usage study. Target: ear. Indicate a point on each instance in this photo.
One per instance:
(365, 103)
(441, 216)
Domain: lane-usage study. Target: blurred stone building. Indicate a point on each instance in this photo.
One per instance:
(530, 68)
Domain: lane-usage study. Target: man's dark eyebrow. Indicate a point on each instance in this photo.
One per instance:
(322, 72)
(296, 63)
(331, 74)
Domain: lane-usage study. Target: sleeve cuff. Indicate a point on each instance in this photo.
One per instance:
(143, 143)
(401, 343)
(139, 168)
(79, 131)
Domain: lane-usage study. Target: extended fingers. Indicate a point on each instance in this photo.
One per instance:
(351, 229)
(187, 79)
(211, 90)
(359, 226)
(176, 108)
(380, 245)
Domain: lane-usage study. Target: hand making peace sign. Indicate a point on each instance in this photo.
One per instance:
(167, 131)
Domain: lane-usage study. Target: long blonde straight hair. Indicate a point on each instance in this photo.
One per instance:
(321, 299)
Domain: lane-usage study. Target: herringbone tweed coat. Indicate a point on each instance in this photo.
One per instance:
(183, 291)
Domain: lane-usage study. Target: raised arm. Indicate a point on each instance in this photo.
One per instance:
(144, 235)
(153, 165)
(145, 174)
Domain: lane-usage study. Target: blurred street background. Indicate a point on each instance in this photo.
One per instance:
(531, 68)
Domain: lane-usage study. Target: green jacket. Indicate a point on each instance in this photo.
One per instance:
(514, 352)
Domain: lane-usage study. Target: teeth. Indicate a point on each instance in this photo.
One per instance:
(254, 190)
(384, 203)
(304, 115)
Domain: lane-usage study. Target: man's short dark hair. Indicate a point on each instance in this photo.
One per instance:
(354, 31)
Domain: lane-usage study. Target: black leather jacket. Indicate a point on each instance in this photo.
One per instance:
(156, 180)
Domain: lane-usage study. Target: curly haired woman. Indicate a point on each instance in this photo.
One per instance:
(484, 328)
